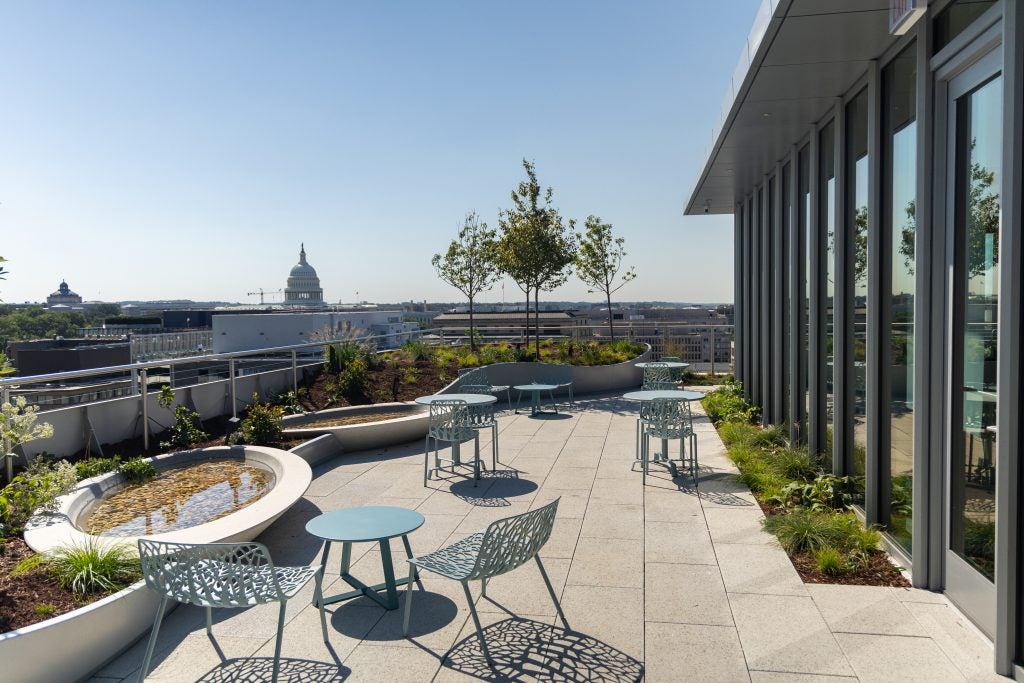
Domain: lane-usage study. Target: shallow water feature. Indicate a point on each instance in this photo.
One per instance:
(178, 498)
(342, 420)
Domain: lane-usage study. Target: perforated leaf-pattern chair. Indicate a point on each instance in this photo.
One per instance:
(480, 377)
(221, 575)
(505, 545)
(668, 420)
(676, 373)
(482, 416)
(657, 377)
(558, 374)
(451, 422)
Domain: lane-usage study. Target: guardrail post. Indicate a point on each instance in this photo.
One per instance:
(231, 373)
(295, 372)
(144, 394)
(712, 351)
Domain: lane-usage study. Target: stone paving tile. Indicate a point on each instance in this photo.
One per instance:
(661, 505)
(196, 656)
(686, 542)
(614, 564)
(606, 520)
(758, 569)
(864, 609)
(778, 677)
(737, 525)
(612, 616)
(684, 652)
(958, 639)
(523, 591)
(373, 664)
(564, 537)
(897, 658)
(787, 634)
(685, 594)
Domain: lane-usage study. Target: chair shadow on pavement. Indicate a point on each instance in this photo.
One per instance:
(495, 488)
(524, 649)
(259, 669)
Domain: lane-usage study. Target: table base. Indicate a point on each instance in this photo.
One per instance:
(390, 585)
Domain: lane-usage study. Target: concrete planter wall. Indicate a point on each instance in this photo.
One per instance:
(368, 435)
(585, 379)
(72, 646)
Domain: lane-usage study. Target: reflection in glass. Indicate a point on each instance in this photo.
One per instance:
(803, 309)
(972, 490)
(856, 218)
(783, 247)
(827, 178)
(952, 21)
(898, 211)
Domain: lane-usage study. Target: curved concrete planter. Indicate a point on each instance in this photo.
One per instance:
(74, 645)
(367, 435)
(592, 379)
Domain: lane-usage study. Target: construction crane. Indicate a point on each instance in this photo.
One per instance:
(261, 293)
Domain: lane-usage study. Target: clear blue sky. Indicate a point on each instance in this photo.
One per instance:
(184, 149)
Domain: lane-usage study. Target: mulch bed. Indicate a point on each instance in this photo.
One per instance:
(879, 571)
(21, 595)
(382, 386)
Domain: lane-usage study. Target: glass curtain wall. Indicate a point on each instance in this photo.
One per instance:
(804, 226)
(899, 182)
(856, 219)
(767, 297)
(783, 248)
(827, 225)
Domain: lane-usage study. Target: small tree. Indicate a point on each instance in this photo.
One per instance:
(599, 261)
(536, 247)
(469, 264)
(18, 426)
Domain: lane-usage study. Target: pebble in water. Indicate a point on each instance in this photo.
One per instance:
(178, 498)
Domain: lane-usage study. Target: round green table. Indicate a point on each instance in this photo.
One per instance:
(371, 524)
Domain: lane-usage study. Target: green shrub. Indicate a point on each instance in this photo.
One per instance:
(794, 464)
(45, 609)
(263, 424)
(353, 378)
(93, 467)
(185, 432)
(136, 470)
(805, 530)
(417, 350)
(93, 567)
(824, 493)
(830, 561)
(496, 353)
(34, 491)
(290, 403)
(728, 404)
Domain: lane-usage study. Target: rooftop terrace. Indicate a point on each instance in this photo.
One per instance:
(667, 582)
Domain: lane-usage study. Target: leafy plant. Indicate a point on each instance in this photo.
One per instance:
(136, 470)
(290, 401)
(263, 424)
(830, 561)
(18, 426)
(93, 467)
(34, 491)
(353, 378)
(824, 493)
(806, 530)
(417, 350)
(45, 609)
(93, 567)
(728, 404)
(185, 432)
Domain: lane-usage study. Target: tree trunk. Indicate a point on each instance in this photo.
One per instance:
(536, 320)
(611, 323)
(472, 338)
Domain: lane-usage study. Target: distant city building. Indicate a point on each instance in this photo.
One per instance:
(269, 330)
(63, 296)
(303, 284)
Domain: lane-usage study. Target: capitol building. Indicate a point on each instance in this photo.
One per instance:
(303, 284)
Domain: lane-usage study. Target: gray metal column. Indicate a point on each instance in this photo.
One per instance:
(815, 321)
(755, 297)
(876, 460)
(737, 286)
(767, 322)
(926, 550)
(748, 292)
(777, 272)
(796, 297)
(842, 308)
(1008, 642)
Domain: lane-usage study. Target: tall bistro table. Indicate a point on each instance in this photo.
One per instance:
(672, 394)
(371, 524)
(470, 399)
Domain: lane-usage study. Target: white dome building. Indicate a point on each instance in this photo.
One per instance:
(63, 297)
(303, 284)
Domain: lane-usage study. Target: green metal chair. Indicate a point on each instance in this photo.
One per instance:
(483, 417)
(505, 545)
(677, 373)
(450, 421)
(479, 377)
(558, 374)
(657, 377)
(221, 575)
(667, 420)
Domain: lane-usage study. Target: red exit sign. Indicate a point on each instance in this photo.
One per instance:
(903, 14)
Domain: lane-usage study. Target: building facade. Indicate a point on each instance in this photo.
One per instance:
(63, 296)
(870, 153)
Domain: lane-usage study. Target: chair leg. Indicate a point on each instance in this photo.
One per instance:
(277, 647)
(152, 639)
(408, 601)
(209, 620)
(483, 588)
(476, 621)
(494, 447)
(476, 458)
(551, 592)
(426, 459)
(320, 602)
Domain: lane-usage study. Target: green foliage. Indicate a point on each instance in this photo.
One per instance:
(599, 261)
(290, 401)
(824, 493)
(45, 609)
(353, 378)
(94, 567)
(901, 495)
(497, 353)
(418, 350)
(18, 425)
(794, 464)
(185, 432)
(728, 404)
(93, 467)
(263, 424)
(136, 470)
(807, 530)
(469, 264)
(34, 491)
(830, 561)
(165, 399)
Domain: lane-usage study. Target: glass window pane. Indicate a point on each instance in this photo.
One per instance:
(804, 214)
(856, 219)
(952, 21)
(827, 225)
